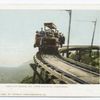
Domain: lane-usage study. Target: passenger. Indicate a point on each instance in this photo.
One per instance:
(60, 39)
(42, 33)
(56, 35)
(63, 39)
(37, 33)
(36, 38)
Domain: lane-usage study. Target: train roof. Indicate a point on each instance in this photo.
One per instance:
(50, 25)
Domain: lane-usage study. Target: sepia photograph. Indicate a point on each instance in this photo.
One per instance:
(49, 50)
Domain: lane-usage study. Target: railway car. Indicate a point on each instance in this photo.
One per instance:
(49, 42)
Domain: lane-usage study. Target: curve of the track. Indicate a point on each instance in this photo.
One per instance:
(84, 75)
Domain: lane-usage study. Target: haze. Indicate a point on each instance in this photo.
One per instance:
(17, 31)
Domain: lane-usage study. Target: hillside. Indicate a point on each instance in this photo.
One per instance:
(15, 74)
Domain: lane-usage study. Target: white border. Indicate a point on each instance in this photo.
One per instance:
(50, 90)
(50, 1)
(51, 6)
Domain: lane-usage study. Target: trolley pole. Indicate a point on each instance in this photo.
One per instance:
(70, 15)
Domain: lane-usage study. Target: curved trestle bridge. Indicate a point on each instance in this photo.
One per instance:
(56, 69)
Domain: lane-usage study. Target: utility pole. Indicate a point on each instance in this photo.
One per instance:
(93, 32)
(69, 28)
(93, 37)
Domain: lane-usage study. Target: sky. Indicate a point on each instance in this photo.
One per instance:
(18, 27)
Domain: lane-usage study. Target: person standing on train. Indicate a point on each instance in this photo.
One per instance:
(63, 39)
(42, 33)
(60, 39)
(36, 39)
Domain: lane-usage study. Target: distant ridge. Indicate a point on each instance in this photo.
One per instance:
(15, 74)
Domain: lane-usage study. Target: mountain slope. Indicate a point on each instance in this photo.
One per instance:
(15, 74)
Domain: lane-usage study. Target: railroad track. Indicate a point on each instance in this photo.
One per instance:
(52, 71)
(65, 72)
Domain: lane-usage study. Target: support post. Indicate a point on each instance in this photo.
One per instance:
(79, 55)
(34, 75)
(42, 75)
(46, 77)
(62, 53)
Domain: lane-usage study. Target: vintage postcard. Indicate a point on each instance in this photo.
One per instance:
(50, 50)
